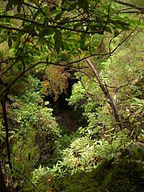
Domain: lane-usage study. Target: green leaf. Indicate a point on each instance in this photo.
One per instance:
(83, 4)
(10, 3)
(58, 40)
(71, 6)
(82, 41)
(65, 20)
(9, 42)
(93, 27)
(82, 55)
(136, 152)
(36, 2)
(19, 7)
(58, 16)
(108, 29)
(116, 32)
(46, 11)
(46, 31)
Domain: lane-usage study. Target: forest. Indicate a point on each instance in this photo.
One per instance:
(71, 96)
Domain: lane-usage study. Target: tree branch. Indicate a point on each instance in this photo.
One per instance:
(105, 91)
(129, 4)
(17, 29)
(47, 26)
(68, 63)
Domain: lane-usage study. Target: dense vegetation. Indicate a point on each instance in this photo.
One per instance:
(72, 96)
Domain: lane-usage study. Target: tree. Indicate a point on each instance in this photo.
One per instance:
(38, 33)
(31, 29)
(30, 26)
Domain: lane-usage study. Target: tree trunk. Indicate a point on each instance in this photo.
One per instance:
(3, 103)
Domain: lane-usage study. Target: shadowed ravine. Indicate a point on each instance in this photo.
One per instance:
(67, 117)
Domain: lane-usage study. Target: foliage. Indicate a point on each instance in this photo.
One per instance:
(40, 179)
(86, 152)
(44, 44)
(35, 127)
(53, 85)
(120, 176)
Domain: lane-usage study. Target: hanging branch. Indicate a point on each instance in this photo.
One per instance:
(105, 91)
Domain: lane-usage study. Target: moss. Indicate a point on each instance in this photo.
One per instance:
(123, 176)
